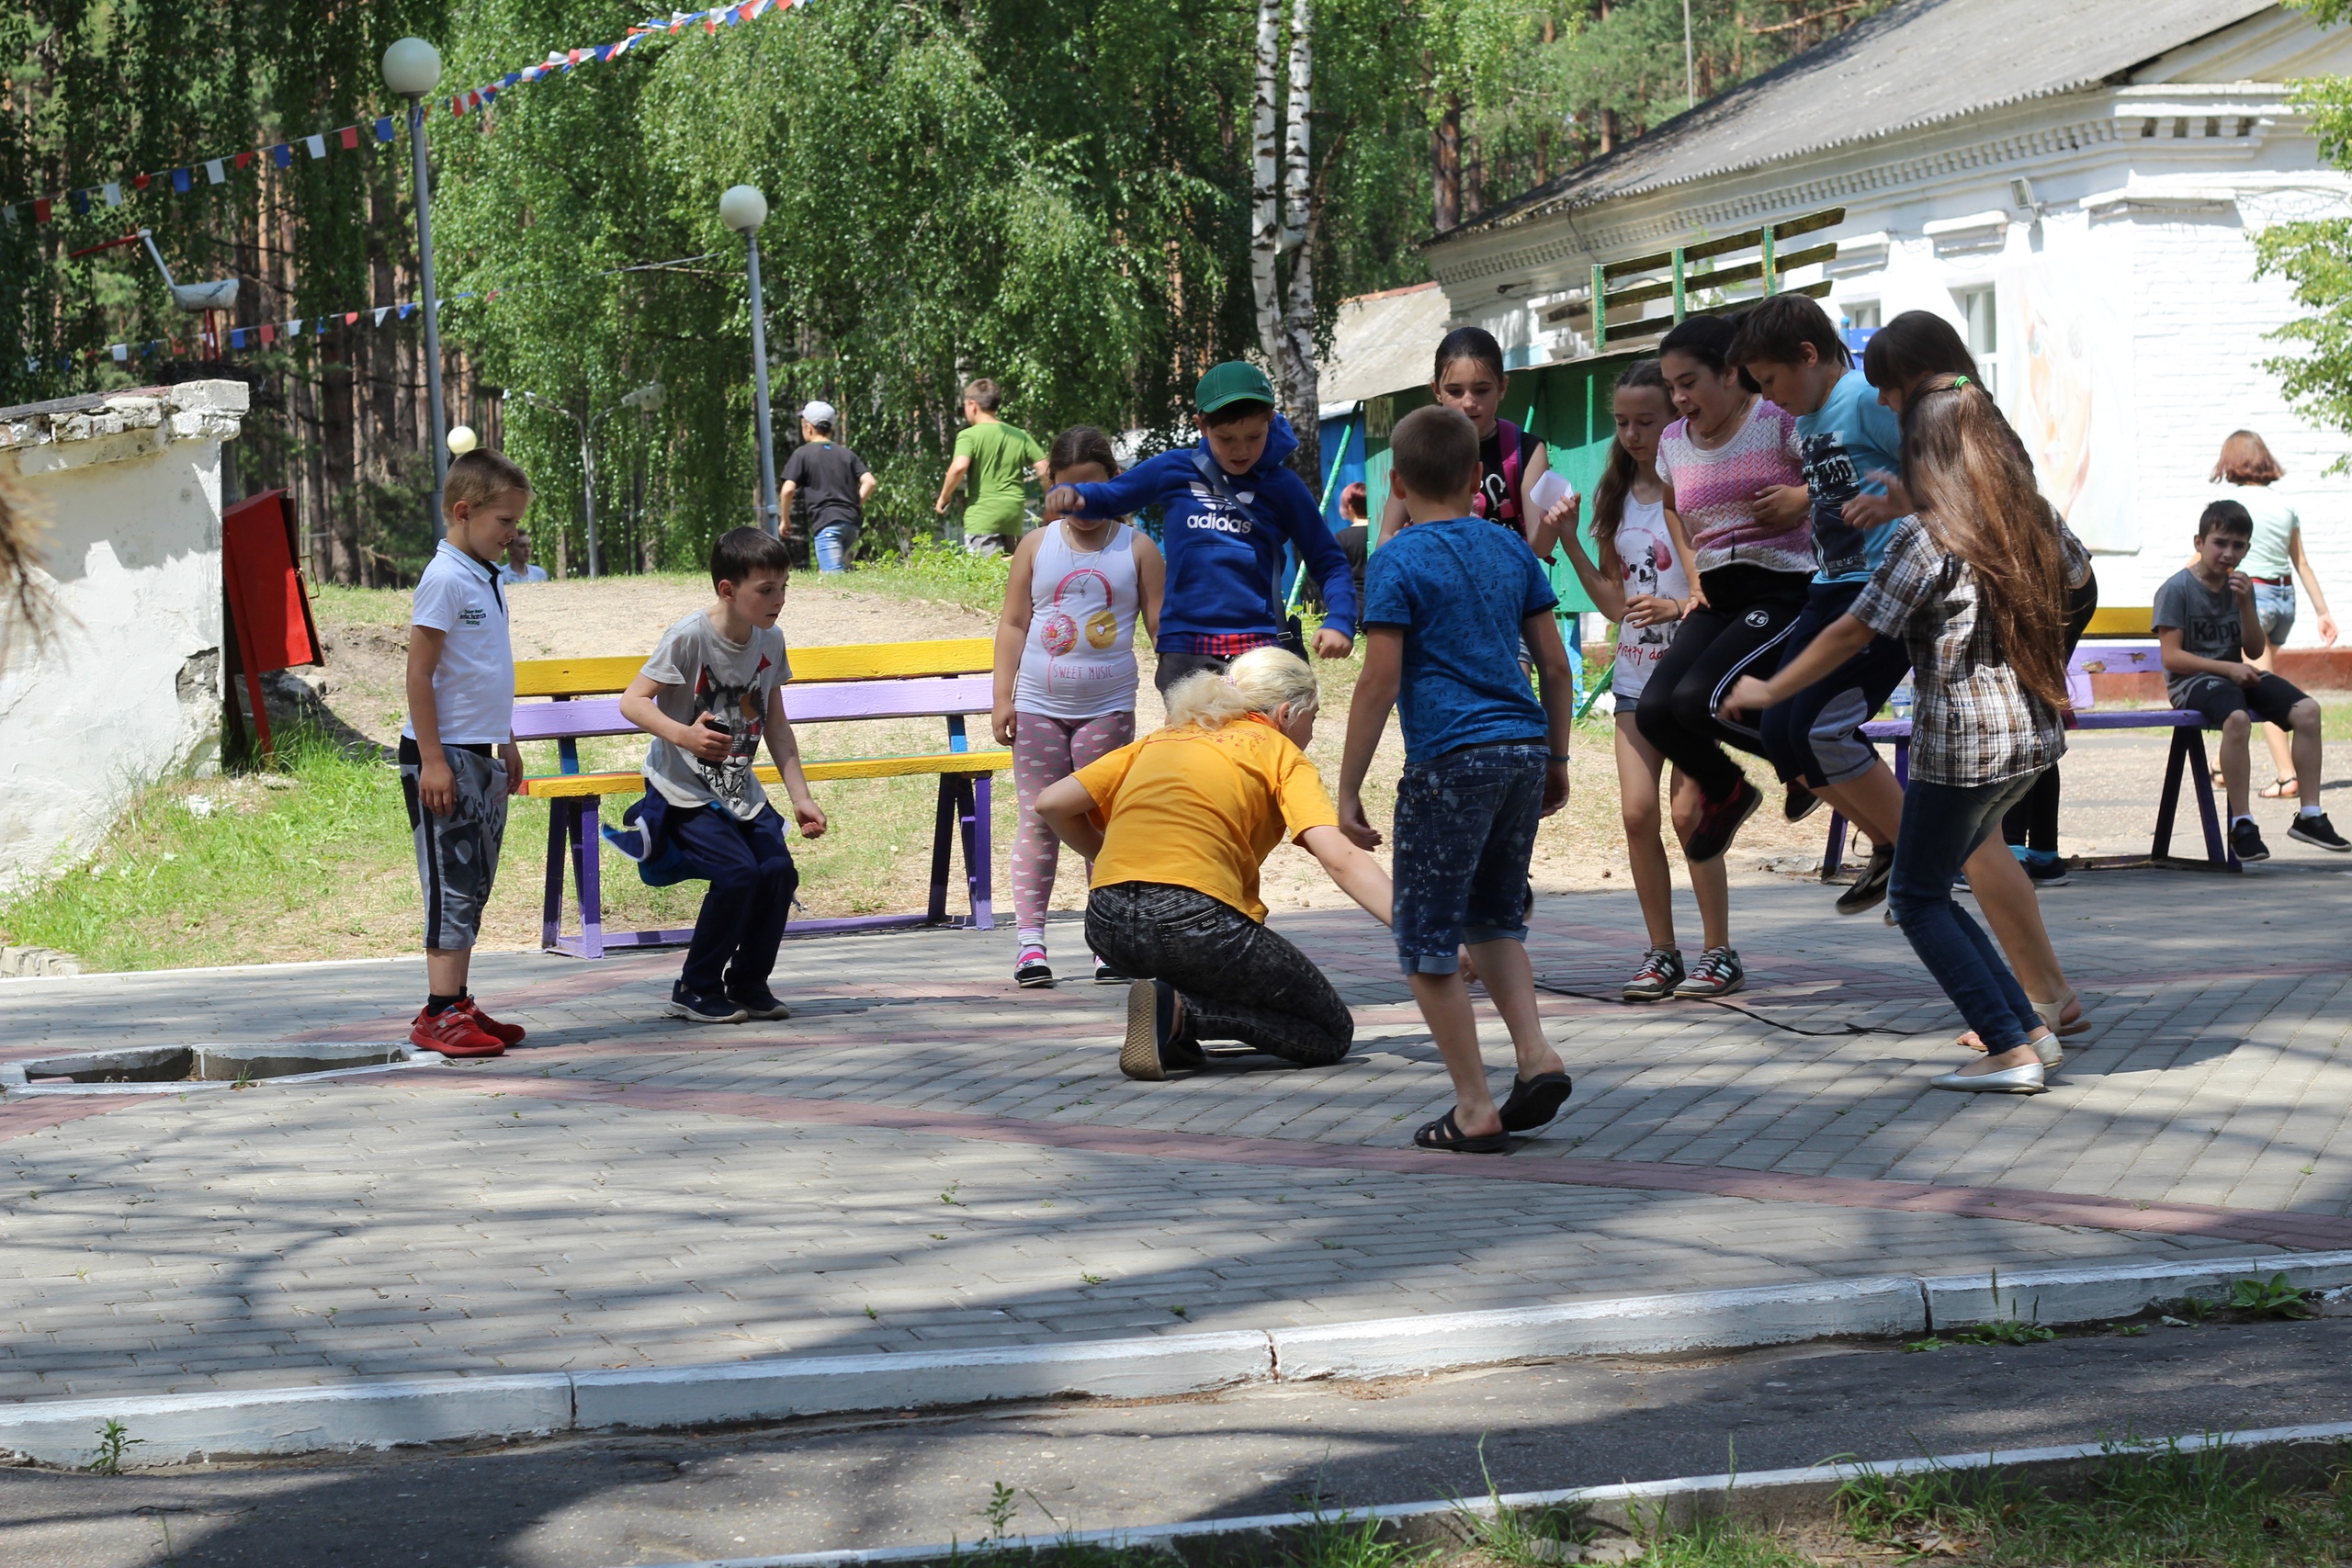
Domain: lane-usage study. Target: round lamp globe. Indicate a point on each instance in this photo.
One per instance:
(742, 208)
(462, 440)
(411, 67)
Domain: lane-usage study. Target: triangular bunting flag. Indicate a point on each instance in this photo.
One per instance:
(405, 306)
(282, 155)
(351, 318)
(269, 333)
(213, 173)
(317, 145)
(8, 214)
(80, 201)
(241, 159)
(295, 326)
(41, 208)
(384, 128)
(236, 337)
(381, 312)
(182, 179)
(350, 134)
(113, 193)
(121, 351)
(140, 181)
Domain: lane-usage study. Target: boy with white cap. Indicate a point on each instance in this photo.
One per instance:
(836, 485)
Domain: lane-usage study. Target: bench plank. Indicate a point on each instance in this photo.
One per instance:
(802, 705)
(853, 662)
(559, 786)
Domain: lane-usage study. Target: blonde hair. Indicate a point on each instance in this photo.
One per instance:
(1260, 681)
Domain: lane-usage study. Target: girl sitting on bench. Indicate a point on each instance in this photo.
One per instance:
(1176, 825)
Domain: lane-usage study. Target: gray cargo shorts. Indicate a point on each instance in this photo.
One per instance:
(457, 856)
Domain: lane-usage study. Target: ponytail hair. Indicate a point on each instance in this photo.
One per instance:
(1475, 345)
(1260, 681)
(1913, 347)
(1977, 500)
(1617, 479)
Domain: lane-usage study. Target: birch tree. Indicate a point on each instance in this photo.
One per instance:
(1285, 217)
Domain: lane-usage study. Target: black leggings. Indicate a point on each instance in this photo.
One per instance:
(1239, 981)
(2033, 821)
(1748, 613)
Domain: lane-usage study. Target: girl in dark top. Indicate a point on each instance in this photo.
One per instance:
(1470, 378)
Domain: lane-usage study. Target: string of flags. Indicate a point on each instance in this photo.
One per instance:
(382, 129)
(213, 343)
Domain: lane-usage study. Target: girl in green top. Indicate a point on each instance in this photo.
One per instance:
(2274, 560)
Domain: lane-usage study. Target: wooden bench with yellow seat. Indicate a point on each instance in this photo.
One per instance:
(829, 685)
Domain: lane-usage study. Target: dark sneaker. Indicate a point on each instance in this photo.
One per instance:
(1800, 802)
(2047, 871)
(1718, 820)
(1661, 971)
(504, 1033)
(1717, 973)
(1870, 888)
(755, 998)
(1031, 970)
(2318, 830)
(1156, 1040)
(2245, 840)
(1107, 975)
(701, 1009)
(453, 1033)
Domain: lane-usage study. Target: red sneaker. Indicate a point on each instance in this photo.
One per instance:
(454, 1034)
(504, 1033)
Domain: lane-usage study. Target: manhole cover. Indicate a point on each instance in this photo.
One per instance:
(141, 1069)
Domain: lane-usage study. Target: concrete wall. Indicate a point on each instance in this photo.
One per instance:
(129, 689)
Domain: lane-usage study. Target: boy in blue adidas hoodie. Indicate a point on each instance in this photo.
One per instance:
(1226, 507)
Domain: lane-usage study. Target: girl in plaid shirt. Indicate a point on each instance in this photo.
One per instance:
(1976, 585)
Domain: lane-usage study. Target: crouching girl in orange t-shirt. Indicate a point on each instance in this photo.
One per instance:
(1177, 824)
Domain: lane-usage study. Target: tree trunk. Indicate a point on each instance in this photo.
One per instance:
(1265, 186)
(1609, 131)
(1301, 379)
(1446, 154)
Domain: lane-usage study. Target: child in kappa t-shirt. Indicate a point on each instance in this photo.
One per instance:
(461, 704)
(709, 695)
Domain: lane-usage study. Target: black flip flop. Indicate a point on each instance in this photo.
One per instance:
(1534, 1101)
(1445, 1135)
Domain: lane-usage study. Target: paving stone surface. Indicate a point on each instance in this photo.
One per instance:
(923, 1156)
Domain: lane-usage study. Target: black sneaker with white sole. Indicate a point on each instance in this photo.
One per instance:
(2317, 829)
(1870, 888)
(1800, 802)
(1661, 971)
(2050, 873)
(2245, 840)
(696, 1008)
(1717, 973)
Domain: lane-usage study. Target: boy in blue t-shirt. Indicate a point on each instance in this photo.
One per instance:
(1446, 603)
(1852, 446)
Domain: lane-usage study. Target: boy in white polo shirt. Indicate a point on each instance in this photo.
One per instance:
(460, 704)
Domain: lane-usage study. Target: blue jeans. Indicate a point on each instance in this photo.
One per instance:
(1942, 825)
(2274, 606)
(1464, 829)
(1817, 734)
(834, 544)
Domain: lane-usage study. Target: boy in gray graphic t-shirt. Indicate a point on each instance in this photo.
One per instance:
(709, 696)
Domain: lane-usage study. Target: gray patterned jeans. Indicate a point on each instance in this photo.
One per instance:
(1239, 981)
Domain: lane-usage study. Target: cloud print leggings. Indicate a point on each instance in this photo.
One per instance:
(1740, 630)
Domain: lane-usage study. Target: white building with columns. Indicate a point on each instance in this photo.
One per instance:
(2076, 184)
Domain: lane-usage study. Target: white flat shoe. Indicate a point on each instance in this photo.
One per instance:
(2027, 1079)
(2053, 1054)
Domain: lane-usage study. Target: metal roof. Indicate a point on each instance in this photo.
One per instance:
(1381, 342)
(1914, 64)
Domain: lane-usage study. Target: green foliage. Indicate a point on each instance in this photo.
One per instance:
(115, 1443)
(2274, 1297)
(2006, 1331)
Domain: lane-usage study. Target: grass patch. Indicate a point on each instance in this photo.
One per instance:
(937, 573)
(2161, 1509)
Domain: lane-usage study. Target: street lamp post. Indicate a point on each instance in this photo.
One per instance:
(648, 397)
(411, 68)
(743, 209)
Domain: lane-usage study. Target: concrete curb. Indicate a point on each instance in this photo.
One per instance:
(174, 1429)
(1633, 1326)
(1767, 1497)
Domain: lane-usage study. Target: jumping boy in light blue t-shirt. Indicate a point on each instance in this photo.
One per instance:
(1851, 442)
(1446, 602)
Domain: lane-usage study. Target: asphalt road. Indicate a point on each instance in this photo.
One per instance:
(812, 1486)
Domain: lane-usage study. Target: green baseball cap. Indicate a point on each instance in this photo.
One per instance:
(1234, 381)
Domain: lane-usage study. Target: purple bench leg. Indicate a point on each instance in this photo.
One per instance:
(977, 853)
(551, 906)
(587, 868)
(1833, 853)
(2217, 844)
(942, 838)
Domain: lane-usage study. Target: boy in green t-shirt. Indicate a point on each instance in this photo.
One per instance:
(999, 457)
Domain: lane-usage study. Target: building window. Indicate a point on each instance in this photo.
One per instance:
(1979, 318)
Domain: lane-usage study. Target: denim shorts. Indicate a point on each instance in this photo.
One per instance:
(2274, 606)
(1465, 830)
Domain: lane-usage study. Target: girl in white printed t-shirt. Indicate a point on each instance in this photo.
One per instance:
(1066, 672)
(1641, 582)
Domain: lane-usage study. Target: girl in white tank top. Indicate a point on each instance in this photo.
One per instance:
(1066, 670)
